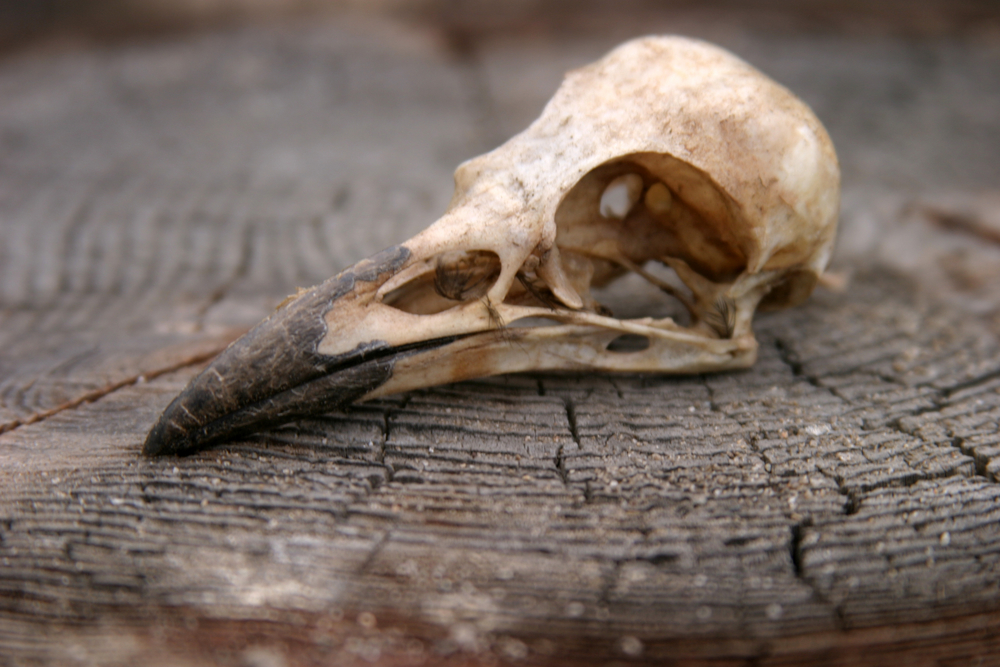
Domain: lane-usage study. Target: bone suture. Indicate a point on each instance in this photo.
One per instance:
(668, 154)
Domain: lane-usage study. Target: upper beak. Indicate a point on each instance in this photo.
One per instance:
(275, 373)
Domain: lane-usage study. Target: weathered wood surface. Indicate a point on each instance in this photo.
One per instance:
(839, 502)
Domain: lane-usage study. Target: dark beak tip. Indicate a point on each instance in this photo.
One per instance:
(158, 442)
(152, 447)
(176, 431)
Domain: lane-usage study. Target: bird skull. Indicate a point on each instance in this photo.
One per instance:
(667, 150)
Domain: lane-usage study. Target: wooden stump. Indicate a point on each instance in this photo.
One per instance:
(838, 503)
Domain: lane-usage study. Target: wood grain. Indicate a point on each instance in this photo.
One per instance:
(838, 503)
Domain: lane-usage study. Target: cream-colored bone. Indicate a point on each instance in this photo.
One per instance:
(667, 150)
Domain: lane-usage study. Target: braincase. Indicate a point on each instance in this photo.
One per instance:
(766, 166)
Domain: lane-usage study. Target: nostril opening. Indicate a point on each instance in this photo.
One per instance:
(466, 275)
(457, 277)
(628, 343)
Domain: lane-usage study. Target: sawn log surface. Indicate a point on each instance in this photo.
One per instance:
(837, 503)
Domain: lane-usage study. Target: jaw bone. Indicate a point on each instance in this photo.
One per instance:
(667, 150)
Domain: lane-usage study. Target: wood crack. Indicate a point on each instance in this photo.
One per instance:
(387, 415)
(981, 462)
(795, 547)
(560, 459)
(795, 551)
(985, 378)
(853, 501)
(373, 554)
(957, 443)
(786, 355)
(99, 393)
(939, 403)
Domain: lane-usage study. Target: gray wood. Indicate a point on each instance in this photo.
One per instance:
(837, 502)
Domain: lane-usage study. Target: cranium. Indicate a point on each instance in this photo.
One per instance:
(721, 174)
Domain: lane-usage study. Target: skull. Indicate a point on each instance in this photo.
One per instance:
(667, 152)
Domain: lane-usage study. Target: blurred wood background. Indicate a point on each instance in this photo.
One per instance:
(170, 171)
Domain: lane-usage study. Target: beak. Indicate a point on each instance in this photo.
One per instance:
(276, 372)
